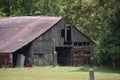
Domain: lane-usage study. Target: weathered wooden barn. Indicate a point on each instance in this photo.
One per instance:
(42, 41)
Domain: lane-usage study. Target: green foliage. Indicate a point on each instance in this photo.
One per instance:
(2, 14)
(109, 46)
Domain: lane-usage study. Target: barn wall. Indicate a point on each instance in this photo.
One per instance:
(56, 33)
(43, 59)
(78, 37)
(82, 47)
(5, 60)
(49, 39)
(43, 47)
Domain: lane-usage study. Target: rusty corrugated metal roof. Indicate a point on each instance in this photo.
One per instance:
(16, 32)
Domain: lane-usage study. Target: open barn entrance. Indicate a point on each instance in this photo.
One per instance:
(64, 56)
(22, 56)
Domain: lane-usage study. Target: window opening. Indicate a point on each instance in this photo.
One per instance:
(79, 43)
(68, 34)
(75, 43)
(88, 43)
(63, 33)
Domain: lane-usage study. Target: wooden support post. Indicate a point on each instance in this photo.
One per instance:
(91, 74)
(55, 58)
(5, 65)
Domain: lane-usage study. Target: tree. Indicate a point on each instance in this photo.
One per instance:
(4, 8)
(109, 46)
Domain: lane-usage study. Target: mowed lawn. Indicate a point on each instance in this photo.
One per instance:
(56, 73)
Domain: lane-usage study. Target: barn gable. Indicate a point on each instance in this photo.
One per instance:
(77, 48)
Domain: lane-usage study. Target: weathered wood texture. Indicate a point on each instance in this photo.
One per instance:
(77, 36)
(45, 44)
(63, 37)
(5, 60)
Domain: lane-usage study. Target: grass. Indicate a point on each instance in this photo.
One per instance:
(57, 73)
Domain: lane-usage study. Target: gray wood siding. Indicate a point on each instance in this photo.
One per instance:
(77, 36)
(43, 47)
(46, 42)
(56, 34)
(43, 60)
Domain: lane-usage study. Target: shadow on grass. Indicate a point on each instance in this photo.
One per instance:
(97, 69)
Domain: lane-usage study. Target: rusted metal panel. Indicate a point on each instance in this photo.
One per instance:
(5, 60)
(16, 32)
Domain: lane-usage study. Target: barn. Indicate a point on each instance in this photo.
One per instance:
(42, 41)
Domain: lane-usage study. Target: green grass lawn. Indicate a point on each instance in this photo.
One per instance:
(56, 73)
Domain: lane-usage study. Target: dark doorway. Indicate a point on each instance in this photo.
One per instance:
(14, 59)
(68, 34)
(64, 56)
(25, 51)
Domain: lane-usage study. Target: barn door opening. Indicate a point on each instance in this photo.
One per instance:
(18, 60)
(64, 56)
(22, 56)
(14, 59)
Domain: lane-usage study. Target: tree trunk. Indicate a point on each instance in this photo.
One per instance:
(113, 63)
